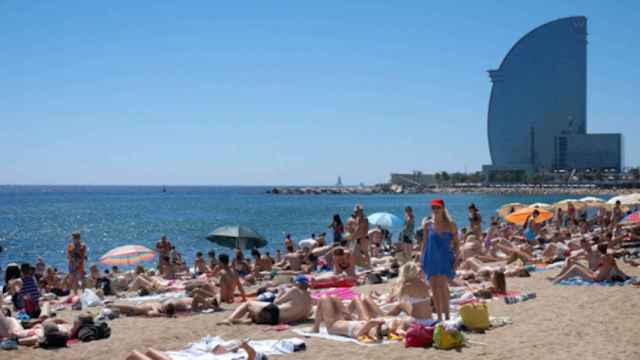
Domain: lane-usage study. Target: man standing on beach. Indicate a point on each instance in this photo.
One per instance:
(76, 254)
(164, 247)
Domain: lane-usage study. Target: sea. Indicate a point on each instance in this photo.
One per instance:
(38, 220)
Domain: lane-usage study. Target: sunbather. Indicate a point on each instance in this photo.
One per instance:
(338, 321)
(292, 305)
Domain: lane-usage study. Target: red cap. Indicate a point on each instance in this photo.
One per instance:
(437, 202)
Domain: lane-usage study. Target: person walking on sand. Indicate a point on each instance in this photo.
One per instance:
(337, 228)
(440, 254)
(76, 255)
(408, 230)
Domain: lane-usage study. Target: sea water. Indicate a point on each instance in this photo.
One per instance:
(38, 220)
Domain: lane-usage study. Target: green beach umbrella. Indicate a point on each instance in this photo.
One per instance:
(237, 236)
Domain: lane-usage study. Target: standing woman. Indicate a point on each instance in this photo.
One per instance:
(440, 253)
(406, 237)
(338, 229)
(76, 254)
(475, 221)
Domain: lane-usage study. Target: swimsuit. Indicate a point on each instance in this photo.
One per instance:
(269, 315)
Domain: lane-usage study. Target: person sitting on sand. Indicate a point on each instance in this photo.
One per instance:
(240, 264)
(412, 294)
(339, 321)
(228, 279)
(343, 262)
(200, 265)
(291, 261)
(608, 270)
(261, 263)
(290, 306)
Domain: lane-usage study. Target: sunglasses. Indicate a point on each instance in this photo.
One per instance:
(436, 207)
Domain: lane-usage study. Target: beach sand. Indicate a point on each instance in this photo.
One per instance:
(563, 322)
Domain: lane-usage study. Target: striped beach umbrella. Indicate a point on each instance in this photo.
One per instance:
(633, 218)
(127, 255)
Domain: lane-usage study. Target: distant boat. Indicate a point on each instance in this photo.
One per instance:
(164, 189)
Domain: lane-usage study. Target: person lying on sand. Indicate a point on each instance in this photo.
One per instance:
(339, 321)
(151, 354)
(12, 328)
(292, 305)
(201, 301)
(150, 284)
(228, 279)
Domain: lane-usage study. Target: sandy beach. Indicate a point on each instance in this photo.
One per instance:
(563, 322)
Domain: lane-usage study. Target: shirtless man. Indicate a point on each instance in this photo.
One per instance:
(288, 244)
(291, 261)
(339, 321)
(200, 264)
(343, 262)
(293, 305)
(229, 280)
(261, 263)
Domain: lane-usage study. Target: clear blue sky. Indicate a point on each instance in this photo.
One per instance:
(276, 92)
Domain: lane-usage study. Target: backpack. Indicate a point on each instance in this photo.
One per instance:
(88, 332)
(446, 340)
(54, 340)
(103, 330)
(418, 336)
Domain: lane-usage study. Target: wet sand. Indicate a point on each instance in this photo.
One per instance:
(563, 322)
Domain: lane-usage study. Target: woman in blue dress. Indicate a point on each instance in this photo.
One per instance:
(440, 254)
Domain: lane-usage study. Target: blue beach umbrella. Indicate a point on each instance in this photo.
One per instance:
(384, 220)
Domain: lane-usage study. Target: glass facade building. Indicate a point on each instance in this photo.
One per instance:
(537, 118)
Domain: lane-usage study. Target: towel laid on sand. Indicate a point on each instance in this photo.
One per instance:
(340, 293)
(325, 335)
(157, 297)
(582, 282)
(201, 350)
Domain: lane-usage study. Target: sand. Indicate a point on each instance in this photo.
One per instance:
(563, 322)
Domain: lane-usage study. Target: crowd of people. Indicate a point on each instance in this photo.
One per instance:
(428, 258)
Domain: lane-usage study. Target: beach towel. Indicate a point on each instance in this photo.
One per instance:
(581, 282)
(341, 293)
(343, 339)
(157, 297)
(201, 350)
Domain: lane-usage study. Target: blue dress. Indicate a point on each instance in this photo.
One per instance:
(438, 256)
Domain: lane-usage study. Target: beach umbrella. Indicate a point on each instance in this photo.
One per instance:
(544, 206)
(507, 209)
(520, 217)
(564, 204)
(384, 220)
(127, 255)
(237, 236)
(594, 202)
(628, 199)
(633, 218)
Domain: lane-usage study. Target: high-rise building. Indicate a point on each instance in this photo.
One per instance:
(537, 119)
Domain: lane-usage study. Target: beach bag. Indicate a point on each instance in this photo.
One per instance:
(54, 340)
(374, 278)
(475, 316)
(89, 299)
(418, 336)
(446, 340)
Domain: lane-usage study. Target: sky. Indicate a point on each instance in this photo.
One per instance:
(277, 92)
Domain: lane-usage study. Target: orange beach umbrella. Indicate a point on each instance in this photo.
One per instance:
(127, 255)
(520, 217)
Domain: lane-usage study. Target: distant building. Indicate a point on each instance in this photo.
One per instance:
(537, 117)
(416, 178)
